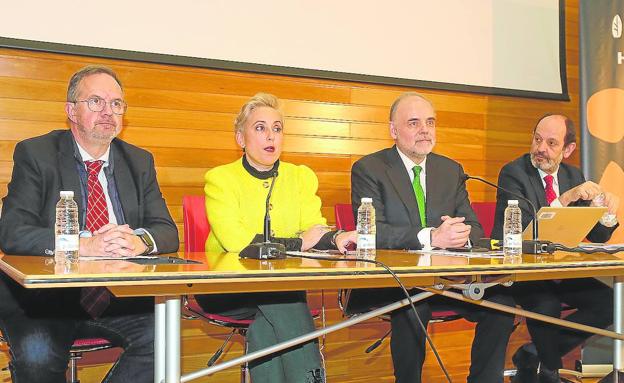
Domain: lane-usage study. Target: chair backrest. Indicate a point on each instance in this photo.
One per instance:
(485, 213)
(344, 216)
(196, 226)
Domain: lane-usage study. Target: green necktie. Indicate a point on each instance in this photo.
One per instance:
(420, 195)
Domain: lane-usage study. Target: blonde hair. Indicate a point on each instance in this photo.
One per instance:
(257, 101)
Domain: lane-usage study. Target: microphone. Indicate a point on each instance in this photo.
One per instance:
(267, 216)
(266, 249)
(533, 246)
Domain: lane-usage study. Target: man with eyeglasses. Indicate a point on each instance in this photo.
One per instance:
(421, 201)
(121, 213)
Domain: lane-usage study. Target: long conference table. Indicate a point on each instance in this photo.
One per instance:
(226, 273)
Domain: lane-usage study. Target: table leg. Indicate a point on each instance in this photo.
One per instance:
(159, 340)
(618, 323)
(617, 376)
(172, 351)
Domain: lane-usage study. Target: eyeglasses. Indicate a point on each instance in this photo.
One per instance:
(97, 104)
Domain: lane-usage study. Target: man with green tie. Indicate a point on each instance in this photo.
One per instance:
(421, 201)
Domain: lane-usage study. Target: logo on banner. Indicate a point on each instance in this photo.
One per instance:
(616, 27)
(603, 99)
(616, 31)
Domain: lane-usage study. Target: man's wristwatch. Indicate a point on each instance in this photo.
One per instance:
(146, 239)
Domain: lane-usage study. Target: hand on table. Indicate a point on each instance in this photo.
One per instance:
(112, 241)
(452, 233)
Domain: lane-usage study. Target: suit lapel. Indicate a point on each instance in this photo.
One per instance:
(434, 180)
(401, 182)
(563, 179)
(126, 188)
(70, 179)
(536, 183)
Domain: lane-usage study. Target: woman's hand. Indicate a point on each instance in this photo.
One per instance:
(311, 236)
(344, 239)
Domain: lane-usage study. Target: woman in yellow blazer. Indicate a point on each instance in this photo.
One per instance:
(235, 204)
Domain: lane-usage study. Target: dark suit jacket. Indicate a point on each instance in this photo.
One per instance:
(519, 176)
(45, 165)
(383, 177)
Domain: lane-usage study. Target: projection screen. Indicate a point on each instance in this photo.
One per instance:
(510, 47)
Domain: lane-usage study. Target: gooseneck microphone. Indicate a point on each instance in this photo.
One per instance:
(266, 249)
(533, 246)
(267, 215)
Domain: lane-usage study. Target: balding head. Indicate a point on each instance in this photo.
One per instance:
(413, 126)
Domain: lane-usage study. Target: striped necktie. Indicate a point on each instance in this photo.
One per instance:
(549, 190)
(95, 300)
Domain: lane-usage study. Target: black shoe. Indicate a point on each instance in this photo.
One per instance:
(316, 376)
(549, 376)
(526, 361)
(525, 375)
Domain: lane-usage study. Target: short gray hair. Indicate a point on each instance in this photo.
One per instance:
(259, 100)
(402, 97)
(72, 88)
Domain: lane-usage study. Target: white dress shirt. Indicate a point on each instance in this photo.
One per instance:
(424, 235)
(606, 220)
(104, 182)
(102, 178)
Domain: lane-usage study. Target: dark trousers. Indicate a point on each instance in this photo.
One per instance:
(39, 342)
(592, 300)
(278, 316)
(407, 343)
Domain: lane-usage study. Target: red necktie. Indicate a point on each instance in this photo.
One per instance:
(95, 299)
(550, 191)
(97, 211)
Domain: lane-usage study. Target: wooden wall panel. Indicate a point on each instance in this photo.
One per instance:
(184, 116)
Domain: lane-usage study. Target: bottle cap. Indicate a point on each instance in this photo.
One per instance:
(367, 199)
(512, 202)
(67, 194)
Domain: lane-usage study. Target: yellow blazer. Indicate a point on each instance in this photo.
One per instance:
(235, 204)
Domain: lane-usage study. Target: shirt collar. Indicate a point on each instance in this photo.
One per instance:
(543, 174)
(263, 175)
(409, 164)
(87, 157)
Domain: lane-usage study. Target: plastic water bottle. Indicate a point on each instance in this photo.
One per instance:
(366, 229)
(512, 230)
(607, 219)
(66, 238)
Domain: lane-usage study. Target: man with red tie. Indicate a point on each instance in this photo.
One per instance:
(541, 177)
(121, 213)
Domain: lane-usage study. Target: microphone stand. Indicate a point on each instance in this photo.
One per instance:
(266, 249)
(534, 246)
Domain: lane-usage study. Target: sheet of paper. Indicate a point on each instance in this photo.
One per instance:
(465, 254)
(86, 258)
